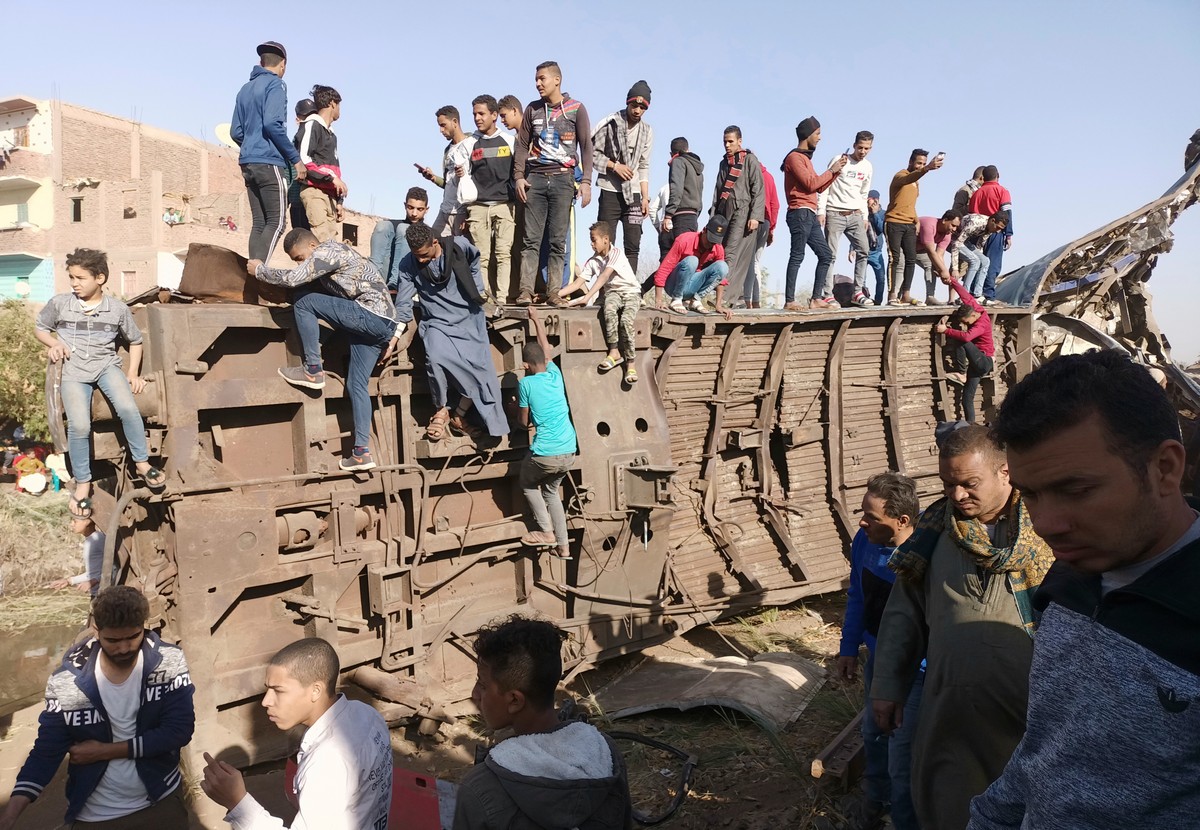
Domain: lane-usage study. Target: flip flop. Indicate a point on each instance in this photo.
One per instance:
(154, 479)
(436, 430)
(460, 426)
(609, 363)
(80, 508)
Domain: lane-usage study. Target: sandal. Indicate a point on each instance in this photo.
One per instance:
(610, 363)
(631, 375)
(460, 426)
(436, 430)
(80, 508)
(154, 479)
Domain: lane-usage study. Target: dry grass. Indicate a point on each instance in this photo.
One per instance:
(36, 543)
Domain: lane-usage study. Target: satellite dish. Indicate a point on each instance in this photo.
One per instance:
(223, 136)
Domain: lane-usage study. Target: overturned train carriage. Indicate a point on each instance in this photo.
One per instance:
(728, 478)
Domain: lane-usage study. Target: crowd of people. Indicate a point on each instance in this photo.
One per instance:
(1037, 621)
(1031, 663)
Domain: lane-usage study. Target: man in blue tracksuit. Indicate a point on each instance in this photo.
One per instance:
(259, 128)
(890, 509)
(120, 707)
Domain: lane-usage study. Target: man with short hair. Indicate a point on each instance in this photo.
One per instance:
(265, 151)
(337, 284)
(388, 242)
(962, 196)
(509, 109)
(694, 268)
(685, 197)
(842, 209)
(344, 766)
(120, 707)
(555, 137)
(323, 191)
(1112, 733)
(990, 198)
(445, 275)
(877, 258)
(550, 773)
(802, 185)
(889, 511)
(740, 198)
(621, 147)
(933, 240)
(296, 213)
(900, 226)
(963, 602)
(486, 191)
(454, 157)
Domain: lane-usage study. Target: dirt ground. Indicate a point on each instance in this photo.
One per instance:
(746, 778)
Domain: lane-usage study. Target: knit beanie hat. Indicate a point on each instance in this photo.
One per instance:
(639, 92)
(807, 127)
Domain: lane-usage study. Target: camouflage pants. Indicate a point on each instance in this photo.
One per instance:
(620, 312)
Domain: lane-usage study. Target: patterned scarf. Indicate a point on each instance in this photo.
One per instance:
(735, 162)
(1024, 562)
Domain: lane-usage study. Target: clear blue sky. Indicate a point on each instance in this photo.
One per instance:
(1084, 106)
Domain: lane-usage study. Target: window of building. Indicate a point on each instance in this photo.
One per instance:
(349, 233)
(77, 209)
(128, 282)
(22, 212)
(21, 136)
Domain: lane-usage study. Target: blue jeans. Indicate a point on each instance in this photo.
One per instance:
(993, 249)
(77, 401)
(876, 260)
(976, 271)
(388, 247)
(686, 282)
(889, 758)
(806, 230)
(368, 334)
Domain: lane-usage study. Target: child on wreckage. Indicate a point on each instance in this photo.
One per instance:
(80, 329)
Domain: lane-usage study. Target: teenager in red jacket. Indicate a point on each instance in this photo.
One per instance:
(975, 350)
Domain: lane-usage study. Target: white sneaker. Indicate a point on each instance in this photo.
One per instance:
(676, 305)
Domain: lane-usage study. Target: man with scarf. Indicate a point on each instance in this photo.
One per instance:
(445, 275)
(963, 602)
(621, 146)
(739, 197)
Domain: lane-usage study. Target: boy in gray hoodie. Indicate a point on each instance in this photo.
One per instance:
(550, 773)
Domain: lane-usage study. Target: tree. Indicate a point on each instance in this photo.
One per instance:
(22, 371)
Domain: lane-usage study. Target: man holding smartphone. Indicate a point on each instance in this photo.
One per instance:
(842, 209)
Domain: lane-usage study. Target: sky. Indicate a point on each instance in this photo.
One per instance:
(1081, 105)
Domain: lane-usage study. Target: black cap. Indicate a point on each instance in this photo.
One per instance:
(274, 47)
(716, 229)
(305, 107)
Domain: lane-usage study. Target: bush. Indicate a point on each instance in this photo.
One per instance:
(22, 371)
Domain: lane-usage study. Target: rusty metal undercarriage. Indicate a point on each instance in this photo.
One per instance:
(728, 479)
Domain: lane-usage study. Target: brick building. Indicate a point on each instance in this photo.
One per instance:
(71, 177)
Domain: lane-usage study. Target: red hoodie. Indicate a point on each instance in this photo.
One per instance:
(979, 332)
(801, 182)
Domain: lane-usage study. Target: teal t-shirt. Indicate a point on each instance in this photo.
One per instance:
(546, 397)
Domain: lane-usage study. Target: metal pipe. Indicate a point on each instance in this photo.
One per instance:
(114, 527)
